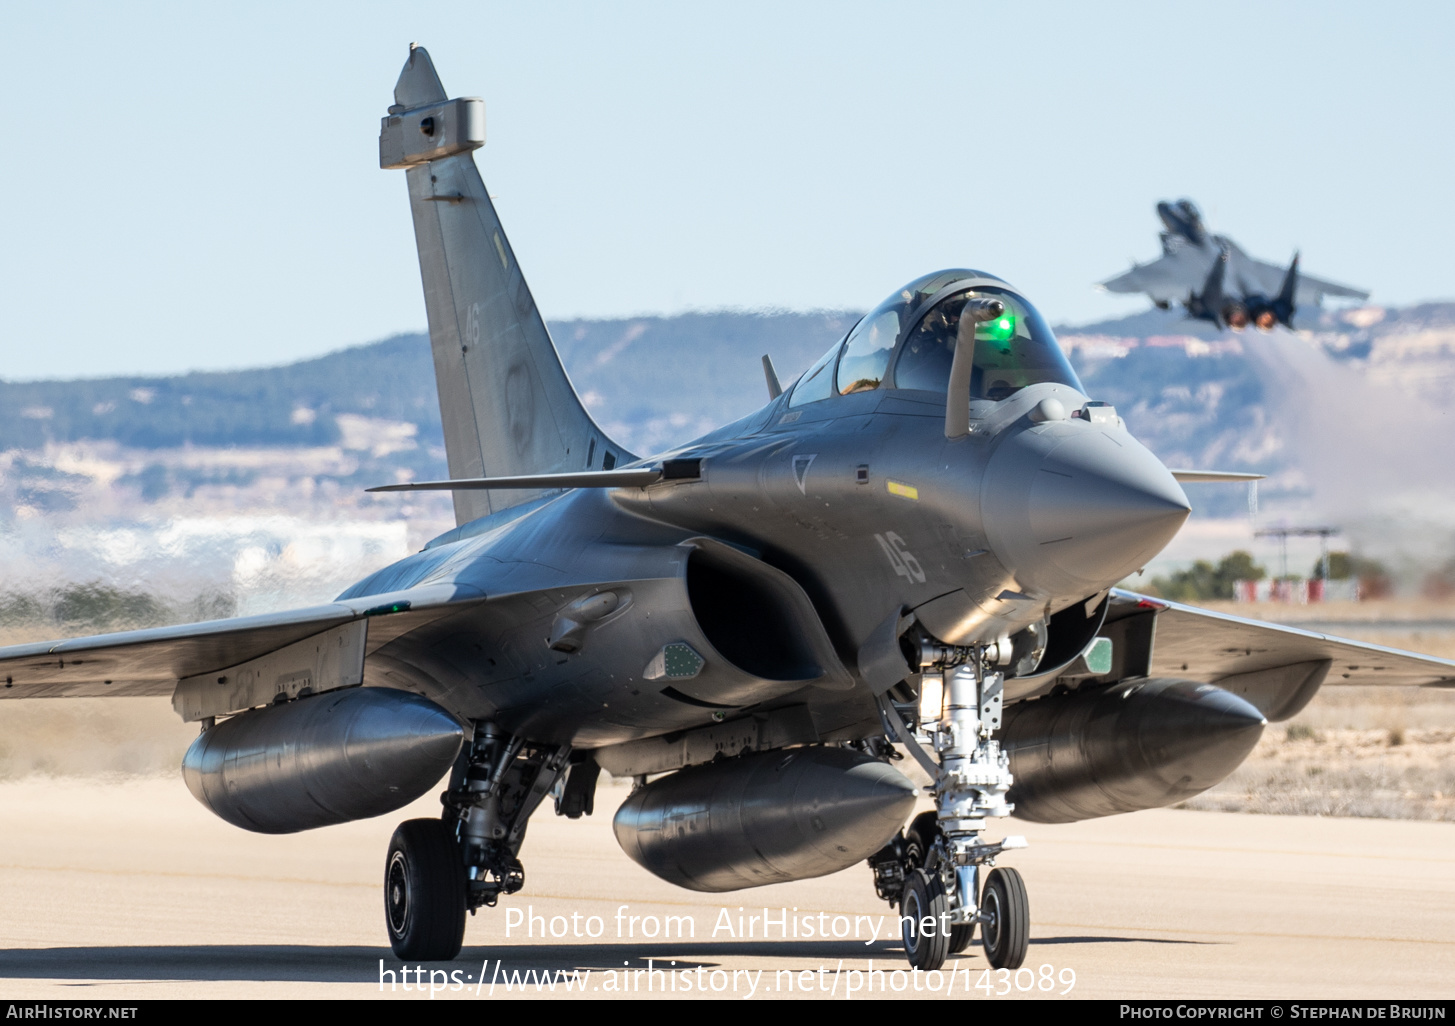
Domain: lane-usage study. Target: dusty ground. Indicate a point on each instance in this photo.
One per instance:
(1382, 773)
(127, 890)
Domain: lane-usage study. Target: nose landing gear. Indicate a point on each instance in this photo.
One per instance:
(933, 870)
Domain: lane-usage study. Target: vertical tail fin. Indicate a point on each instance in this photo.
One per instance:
(1212, 298)
(1283, 307)
(506, 403)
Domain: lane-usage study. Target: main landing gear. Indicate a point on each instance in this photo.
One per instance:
(933, 870)
(439, 869)
(424, 891)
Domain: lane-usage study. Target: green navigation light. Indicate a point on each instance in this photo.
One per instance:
(385, 610)
(1002, 329)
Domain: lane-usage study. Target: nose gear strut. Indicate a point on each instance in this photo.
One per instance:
(934, 870)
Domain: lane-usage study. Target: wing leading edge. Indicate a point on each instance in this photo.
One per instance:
(154, 661)
(1278, 668)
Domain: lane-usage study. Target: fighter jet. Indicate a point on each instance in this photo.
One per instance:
(913, 548)
(1216, 281)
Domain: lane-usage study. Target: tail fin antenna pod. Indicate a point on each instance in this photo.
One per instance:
(506, 404)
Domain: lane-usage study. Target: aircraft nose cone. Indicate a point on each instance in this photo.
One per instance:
(1100, 509)
(1083, 511)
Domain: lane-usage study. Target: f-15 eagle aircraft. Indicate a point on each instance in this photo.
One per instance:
(746, 625)
(1216, 281)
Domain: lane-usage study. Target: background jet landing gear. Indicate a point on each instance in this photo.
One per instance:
(438, 869)
(933, 869)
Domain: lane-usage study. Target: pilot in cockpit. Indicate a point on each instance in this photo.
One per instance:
(1010, 352)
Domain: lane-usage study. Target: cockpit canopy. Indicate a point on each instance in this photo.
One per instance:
(908, 342)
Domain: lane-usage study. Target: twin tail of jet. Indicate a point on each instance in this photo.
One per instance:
(1215, 280)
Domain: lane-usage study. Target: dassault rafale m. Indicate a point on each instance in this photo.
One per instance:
(914, 548)
(1216, 281)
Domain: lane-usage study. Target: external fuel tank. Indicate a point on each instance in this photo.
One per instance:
(323, 759)
(1135, 745)
(764, 818)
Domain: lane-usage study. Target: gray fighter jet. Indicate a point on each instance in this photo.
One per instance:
(914, 548)
(1216, 281)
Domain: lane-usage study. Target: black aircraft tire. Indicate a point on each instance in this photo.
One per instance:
(918, 839)
(923, 831)
(961, 934)
(424, 892)
(1009, 931)
(924, 896)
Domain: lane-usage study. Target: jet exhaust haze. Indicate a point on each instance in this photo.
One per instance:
(1376, 457)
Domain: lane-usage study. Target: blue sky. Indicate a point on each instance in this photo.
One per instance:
(196, 185)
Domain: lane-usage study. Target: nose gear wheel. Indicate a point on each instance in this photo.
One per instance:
(941, 855)
(1007, 928)
(920, 839)
(924, 913)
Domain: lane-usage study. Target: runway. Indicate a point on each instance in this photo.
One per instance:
(133, 890)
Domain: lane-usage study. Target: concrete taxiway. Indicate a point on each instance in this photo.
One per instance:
(132, 890)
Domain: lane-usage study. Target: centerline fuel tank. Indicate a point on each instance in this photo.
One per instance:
(764, 818)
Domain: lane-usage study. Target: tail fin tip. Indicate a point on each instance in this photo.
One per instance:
(507, 406)
(419, 84)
